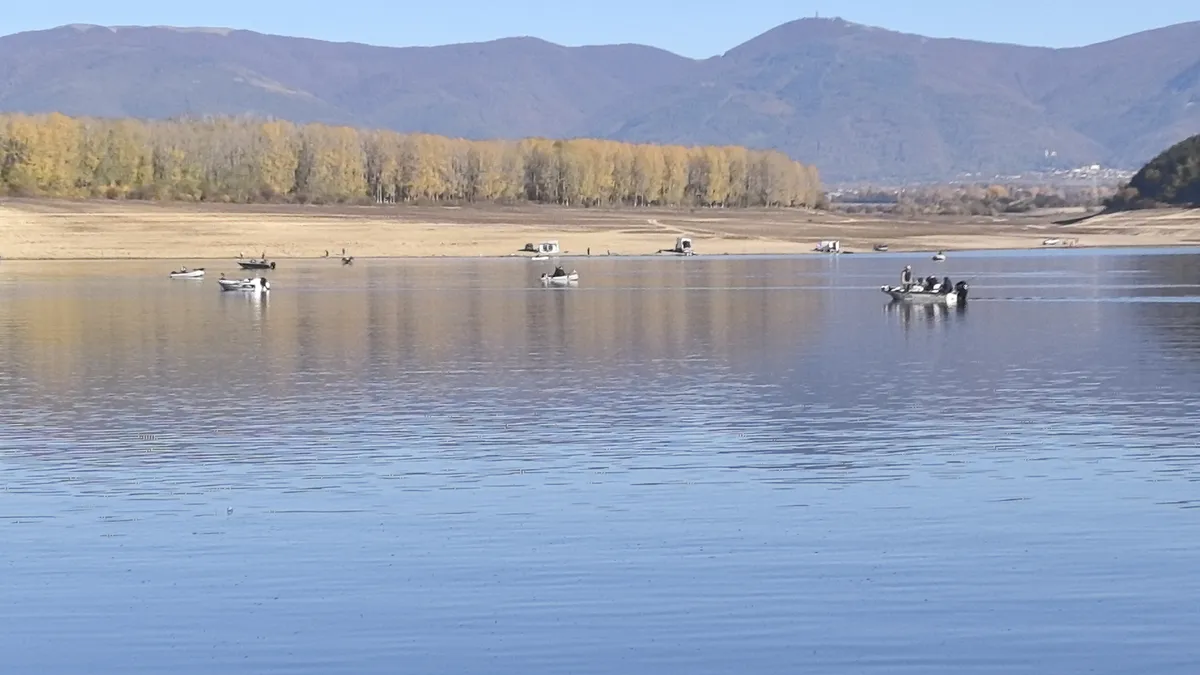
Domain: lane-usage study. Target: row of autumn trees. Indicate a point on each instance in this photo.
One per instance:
(247, 160)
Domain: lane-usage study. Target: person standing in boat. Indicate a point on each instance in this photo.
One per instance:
(906, 277)
(559, 272)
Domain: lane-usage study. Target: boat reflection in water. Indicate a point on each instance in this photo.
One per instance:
(931, 313)
(246, 304)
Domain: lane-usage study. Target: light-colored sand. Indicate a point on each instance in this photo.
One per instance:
(33, 229)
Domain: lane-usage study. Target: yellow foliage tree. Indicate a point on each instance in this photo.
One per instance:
(244, 160)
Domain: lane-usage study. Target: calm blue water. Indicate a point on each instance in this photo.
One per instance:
(714, 465)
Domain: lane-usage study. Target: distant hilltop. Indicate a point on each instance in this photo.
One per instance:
(1170, 179)
(861, 103)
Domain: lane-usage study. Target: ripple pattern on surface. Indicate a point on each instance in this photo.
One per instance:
(698, 466)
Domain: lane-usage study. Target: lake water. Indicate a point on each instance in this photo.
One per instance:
(707, 465)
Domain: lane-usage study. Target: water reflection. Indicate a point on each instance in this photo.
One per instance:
(707, 465)
(929, 314)
(1174, 319)
(487, 312)
(239, 305)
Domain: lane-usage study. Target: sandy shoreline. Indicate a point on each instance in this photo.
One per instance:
(62, 230)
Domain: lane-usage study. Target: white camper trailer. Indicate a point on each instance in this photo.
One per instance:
(829, 246)
(683, 246)
(546, 249)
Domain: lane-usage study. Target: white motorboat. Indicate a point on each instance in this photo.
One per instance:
(256, 263)
(185, 273)
(1060, 242)
(256, 284)
(540, 257)
(573, 277)
(916, 293)
(939, 256)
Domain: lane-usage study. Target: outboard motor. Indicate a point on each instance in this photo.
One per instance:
(961, 289)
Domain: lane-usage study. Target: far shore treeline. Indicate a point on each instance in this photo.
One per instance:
(242, 160)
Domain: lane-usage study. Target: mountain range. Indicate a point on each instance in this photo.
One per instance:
(861, 103)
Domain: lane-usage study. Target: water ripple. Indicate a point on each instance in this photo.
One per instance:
(696, 466)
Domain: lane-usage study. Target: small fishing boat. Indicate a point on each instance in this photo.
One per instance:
(939, 256)
(573, 277)
(185, 273)
(1060, 242)
(917, 293)
(256, 285)
(256, 264)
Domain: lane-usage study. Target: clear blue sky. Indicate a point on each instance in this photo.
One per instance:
(697, 28)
